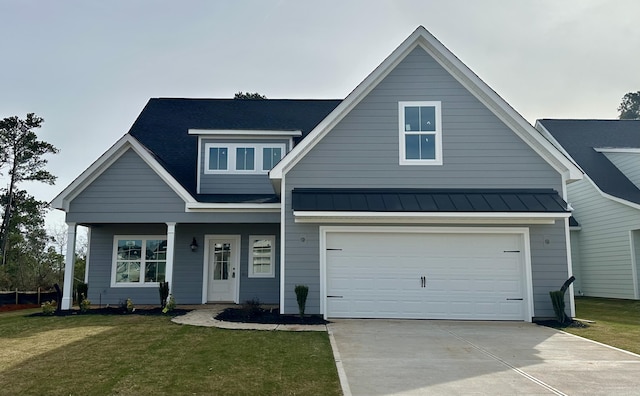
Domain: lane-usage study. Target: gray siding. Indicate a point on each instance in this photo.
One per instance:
(129, 191)
(236, 183)
(188, 265)
(479, 151)
(605, 253)
(628, 163)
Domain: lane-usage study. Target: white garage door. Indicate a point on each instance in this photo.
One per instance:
(425, 275)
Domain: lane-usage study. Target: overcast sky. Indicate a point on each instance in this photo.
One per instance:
(89, 67)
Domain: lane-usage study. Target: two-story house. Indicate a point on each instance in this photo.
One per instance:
(422, 194)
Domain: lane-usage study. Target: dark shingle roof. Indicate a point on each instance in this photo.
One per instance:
(428, 200)
(580, 137)
(162, 126)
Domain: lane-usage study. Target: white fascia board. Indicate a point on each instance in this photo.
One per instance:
(421, 37)
(62, 200)
(611, 197)
(244, 132)
(626, 150)
(232, 207)
(428, 217)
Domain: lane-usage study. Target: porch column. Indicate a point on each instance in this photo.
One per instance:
(86, 259)
(67, 291)
(171, 242)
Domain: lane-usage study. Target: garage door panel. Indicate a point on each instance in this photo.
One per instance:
(468, 276)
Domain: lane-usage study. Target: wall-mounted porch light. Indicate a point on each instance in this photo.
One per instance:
(194, 245)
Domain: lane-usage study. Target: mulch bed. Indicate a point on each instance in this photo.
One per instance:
(119, 311)
(17, 307)
(267, 316)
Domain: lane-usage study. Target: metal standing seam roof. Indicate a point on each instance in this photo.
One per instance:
(429, 200)
(163, 125)
(580, 138)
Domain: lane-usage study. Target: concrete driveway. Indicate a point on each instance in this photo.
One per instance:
(416, 357)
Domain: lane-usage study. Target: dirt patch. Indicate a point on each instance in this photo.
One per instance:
(266, 316)
(17, 307)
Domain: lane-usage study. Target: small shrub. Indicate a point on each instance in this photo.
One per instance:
(164, 293)
(301, 296)
(130, 306)
(170, 306)
(85, 304)
(251, 308)
(127, 306)
(82, 291)
(49, 307)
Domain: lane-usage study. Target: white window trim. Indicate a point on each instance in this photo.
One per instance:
(437, 133)
(114, 260)
(271, 273)
(231, 157)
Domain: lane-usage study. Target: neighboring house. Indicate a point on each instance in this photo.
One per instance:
(606, 203)
(421, 195)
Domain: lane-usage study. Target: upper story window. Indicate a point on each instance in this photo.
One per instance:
(271, 156)
(420, 133)
(245, 158)
(217, 158)
(242, 157)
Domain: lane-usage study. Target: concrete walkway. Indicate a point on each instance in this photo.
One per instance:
(417, 357)
(205, 317)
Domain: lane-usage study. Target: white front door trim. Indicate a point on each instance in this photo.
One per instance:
(235, 256)
(523, 231)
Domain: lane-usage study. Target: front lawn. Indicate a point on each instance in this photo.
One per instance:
(144, 355)
(617, 322)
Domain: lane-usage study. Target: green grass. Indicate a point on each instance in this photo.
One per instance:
(617, 322)
(143, 355)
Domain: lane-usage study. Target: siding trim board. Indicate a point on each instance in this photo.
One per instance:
(231, 207)
(240, 133)
(634, 263)
(422, 217)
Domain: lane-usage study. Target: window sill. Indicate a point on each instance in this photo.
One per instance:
(420, 162)
(137, 285)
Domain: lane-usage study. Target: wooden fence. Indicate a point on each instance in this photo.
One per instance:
(26, 297)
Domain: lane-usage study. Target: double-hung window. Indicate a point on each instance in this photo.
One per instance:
(242, 157)
(262, 256)
(420, 133)
(139, 261)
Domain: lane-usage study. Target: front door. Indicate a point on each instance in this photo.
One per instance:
(223, 270)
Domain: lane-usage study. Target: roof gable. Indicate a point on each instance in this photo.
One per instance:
(422, 38)
(126, 143)
(587, 141)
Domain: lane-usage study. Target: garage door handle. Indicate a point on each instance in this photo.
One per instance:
(334, 296)
(514, 299)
